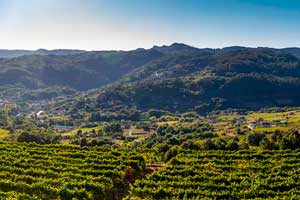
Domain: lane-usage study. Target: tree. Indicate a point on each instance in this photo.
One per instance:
(208, 144)
(290, 141)
(27, 137)
(171, 153)
(79, 133)
(266, 144)
(4, 118)
(255, 139)
(83, 142)
(94, 142)
(232, 145)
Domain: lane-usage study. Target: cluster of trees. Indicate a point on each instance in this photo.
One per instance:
(39, 75)
(191, 79)
(38, 136)
(24, 129)
(168, 136)
(84, 142)
(9, 122)
(107, 132)
(217, 143)
(4, 118)
(276, 140)
(203, 83)
(115, 114)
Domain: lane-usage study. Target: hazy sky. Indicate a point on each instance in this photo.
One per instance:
(129, 24)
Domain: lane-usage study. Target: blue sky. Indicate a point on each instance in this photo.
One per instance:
(129, 24)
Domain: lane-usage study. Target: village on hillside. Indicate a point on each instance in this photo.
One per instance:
(60, 121)
(6, 102)
(230, 124)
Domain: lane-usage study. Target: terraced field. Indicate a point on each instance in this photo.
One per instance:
(30, 171)
(224, 175)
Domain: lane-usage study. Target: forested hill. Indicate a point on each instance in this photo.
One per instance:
(245, 79)
(78, 71)
(176, 77)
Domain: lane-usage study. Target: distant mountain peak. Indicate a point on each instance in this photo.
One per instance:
(42, 50)
(176, 44)
(140, 49)
(174, 48)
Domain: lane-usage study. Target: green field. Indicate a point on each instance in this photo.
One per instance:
(224, 123)
(224, 175)
(3, 133)
(271, 129)
(84, 130)
(166, 123)
(31, 171)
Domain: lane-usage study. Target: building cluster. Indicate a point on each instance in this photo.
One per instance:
(6, 102)
(260, 123)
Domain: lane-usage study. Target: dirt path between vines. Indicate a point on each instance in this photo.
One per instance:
(122, 192)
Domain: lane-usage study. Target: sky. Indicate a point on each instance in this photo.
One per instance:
(131, 24)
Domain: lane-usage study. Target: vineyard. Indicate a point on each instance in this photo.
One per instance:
(29, 171)
(224, 175)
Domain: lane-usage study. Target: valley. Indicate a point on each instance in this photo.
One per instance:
(151, 123)
(149, 100)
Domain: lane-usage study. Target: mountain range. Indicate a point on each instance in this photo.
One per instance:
(5, 53)
(175, 78)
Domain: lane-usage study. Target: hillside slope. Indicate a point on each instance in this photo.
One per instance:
(80, 71)
(201, 75)
(240, 79)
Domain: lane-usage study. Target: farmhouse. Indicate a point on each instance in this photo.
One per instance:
(61, 128)
(283, 122)
(41, 114)
(266, 124)
(252, 125)
(137, 132)
(6, 102)
(239, 120)
(126, 125)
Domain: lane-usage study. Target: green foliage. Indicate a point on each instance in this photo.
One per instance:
(40, 74)
(112, 128)
(4, 118)
(31, 171)
(223, 175)
(177, 134)
(255, 138)
(205, 82)
(189, 80)
(38, 138)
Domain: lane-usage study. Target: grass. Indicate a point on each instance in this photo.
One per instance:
(59, 118)
(224, 122)
(275, 116)
(3, 133)
(272, 129)
(84, 130)
(166, 123)
(266, 116)
(228, 117)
